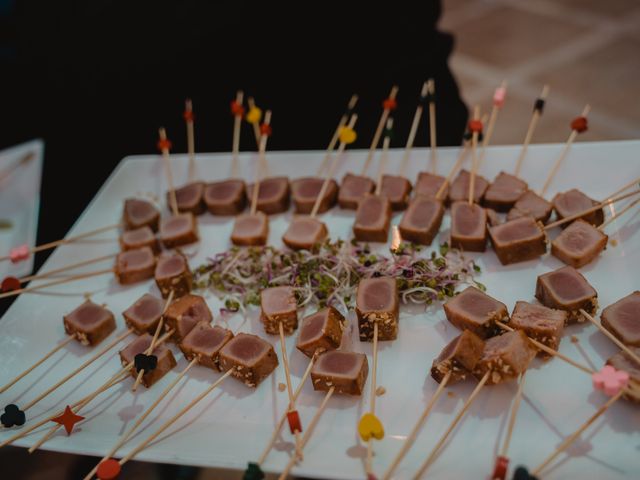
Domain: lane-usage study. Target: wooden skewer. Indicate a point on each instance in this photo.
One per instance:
(432, 456)
(65, 379)
(79, 404)
(372, 398)
(40, 276)
(474, 157)
(310, 429)
(569, 440)
(191, 142)
(61, 345)
(123, 372)
(292, 399)
(512, 417)
(625, 188)
(618, 214)
(433, 139)
(173, 201)
(384, 156)
(611, 337)
(492, 124)
(563, 154)
(408, 443)
(331, 171)
(414, 129)
(175, 418)
(142, 418)
(256, 125)
(154, 339)
(336, 134)
(72, 278)
(533, 123)
(237, 124)
(595, 208)
(262, 163)
(378, 132)
(280, 424)
(64, 241)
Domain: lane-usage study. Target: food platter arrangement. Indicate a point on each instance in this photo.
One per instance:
(343, 314)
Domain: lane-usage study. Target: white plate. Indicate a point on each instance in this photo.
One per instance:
(19, 201)
(233, 424)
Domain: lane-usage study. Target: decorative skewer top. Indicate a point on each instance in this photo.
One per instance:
(188, 110)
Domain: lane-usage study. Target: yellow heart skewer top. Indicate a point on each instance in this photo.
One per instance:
(370, 426)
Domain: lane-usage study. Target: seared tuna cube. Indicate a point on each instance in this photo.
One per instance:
(304, 232)
(504, 192)
(273, 195)
(251, 358)
(346, 371)
(138, 238)
(353, 189)
(320, 332)
(185, 313)
(518, 240)
(166, 360)
(421, 222)
(140, 213)
(189, 198)
(397, 189)
(377, 302)
(250, 229)
(173, 274)
(135, 265)
(144, 315)
(459, 358)
(373, 219)
(179, 230)
(506, 357)
(566, 289)
(459, 190)
(622, 319)
(579, 244)
(225, 198)
(205, 343)
(468, 227)
(622, 361)
(428, 185)
(493, 218)
(90, 323)
(533, 205)
(540, 323)
(279, 305)
(474, 310)
(574, 201)
(305, 191)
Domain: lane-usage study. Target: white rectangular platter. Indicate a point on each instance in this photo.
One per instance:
(233, 424)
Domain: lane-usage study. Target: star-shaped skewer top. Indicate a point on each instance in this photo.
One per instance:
(68, 419)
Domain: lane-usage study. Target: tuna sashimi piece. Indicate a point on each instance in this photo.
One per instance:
(623, 361)
(205, 343)
(346, 371)
(474, 310)
(320, 332)
(540, 323)
(397, 189)
(353, 189)
(189, 198)
(140, 213)
(172, 274)
(250, 229)
(574, 201)
(421, 222)
(459, 190)
(504, 192)
(468, 227)
(518, 240)
(185, 313)
(304, 232)
(566, 289)
(373, 219)
(305, 191)
(279, 305)
(459, 358)
(506, 357)
(166, 360)
(623, 319)
(135, 265)
(377, 302)
(251, 359)
(273, 196)
(579, 244)
(178, 230)
(143, 316)
(428, 185)
(90, 323)
(533, 205)
(138, 238)
(225, 198)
